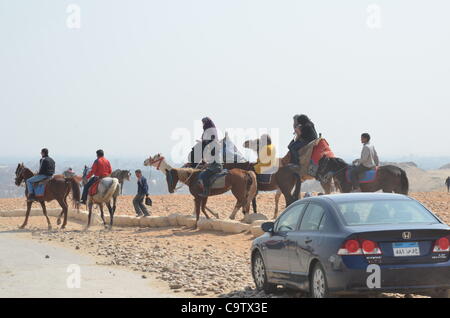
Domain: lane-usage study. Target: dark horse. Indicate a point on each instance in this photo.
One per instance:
(447, 183)
(57, 188)
(121, 175)
(389, 178)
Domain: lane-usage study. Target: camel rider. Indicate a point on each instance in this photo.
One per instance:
(46, 170)
(266, 156)
(100, 169)
(305, 132)
(212, 158)
(368, 161)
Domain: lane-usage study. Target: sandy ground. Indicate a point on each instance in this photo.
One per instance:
(209, 264)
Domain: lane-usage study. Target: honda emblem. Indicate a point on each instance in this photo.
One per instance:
(406, 235)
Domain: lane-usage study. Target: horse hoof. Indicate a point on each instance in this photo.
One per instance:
(58, 222)
(22, 227)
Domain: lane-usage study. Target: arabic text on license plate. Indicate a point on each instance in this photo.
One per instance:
(406, 249)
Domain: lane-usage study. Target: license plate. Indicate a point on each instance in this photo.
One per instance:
(406, 249)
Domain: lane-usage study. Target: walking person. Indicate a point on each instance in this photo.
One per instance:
(142, 193)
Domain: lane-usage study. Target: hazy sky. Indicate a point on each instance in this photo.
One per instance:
(137, 70)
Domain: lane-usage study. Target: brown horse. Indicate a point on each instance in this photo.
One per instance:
(241, 183)
(57, 188)
(389, 178)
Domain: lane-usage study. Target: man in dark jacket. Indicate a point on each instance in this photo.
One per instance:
(46, 170)
(305, 133)
(142, 193)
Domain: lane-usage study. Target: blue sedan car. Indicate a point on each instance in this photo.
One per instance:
(357, 242)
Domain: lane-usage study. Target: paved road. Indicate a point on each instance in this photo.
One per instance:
(26, 272)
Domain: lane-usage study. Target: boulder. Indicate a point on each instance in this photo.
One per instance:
(231, 226)
(205, 224)
(162, 221)
(173, 219)
(252, 217)
(147, 221)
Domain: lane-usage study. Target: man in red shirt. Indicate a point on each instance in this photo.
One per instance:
(100, 169)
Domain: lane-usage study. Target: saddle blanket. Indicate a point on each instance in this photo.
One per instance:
(264, 178)
(218, 180)
(94, 188)
(366, 177)
(39, 187)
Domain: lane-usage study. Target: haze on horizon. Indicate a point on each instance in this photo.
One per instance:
(136, 71)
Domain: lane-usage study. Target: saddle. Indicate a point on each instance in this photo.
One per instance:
(39, 187)
(368, 176)
(264, 178)
(217, 181)
(94, 188)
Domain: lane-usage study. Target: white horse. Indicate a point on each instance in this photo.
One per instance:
(108, 189)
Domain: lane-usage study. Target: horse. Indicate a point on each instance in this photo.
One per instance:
(57, 188)
(284, 179)
(447, 183)
(108, 189)
(241, 183)
(389, 178)
(122, 175)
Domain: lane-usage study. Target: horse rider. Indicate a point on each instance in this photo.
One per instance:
(100, 169)
(46, 170)
(447, 183)
(209, 134)
(212, 157)
(368, 161)
(266, 155)
(305, 132)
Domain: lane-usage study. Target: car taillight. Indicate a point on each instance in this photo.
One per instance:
(442, 245)
(355, 247)
(350, 247)
(370, 248)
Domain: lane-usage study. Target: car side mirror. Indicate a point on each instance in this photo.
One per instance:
(267, 227)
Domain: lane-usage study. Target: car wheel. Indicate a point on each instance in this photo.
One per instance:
(318, 282)
(260, 275)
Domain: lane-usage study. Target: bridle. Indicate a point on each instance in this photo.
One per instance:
(159, 161)
(330, 174)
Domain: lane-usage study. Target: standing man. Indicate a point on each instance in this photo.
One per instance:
(368, 161)
(46, 170)
(139, 206)
(100, 169)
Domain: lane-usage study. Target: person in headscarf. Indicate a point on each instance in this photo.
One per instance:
(305, 132)
(211, 155)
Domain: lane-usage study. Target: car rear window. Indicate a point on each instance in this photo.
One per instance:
(384, 212)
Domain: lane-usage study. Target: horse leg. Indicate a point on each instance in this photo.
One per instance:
(44, 210)
(64, 206)
(326, 186)
(203, 205)
(111, 221)
(215, 214)
(102, 215)
(90, 204)
(197, 210)
(111, 213)
(277, 201)
(58, 221)
(27, 215)
(237, 206)
(254, 205)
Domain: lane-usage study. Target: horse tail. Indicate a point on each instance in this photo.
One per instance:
(298, 186)
(111, 190)
(76, 192)
(250, 195)
(404, 183)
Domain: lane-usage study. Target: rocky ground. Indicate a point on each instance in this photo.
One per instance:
(199, 264)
